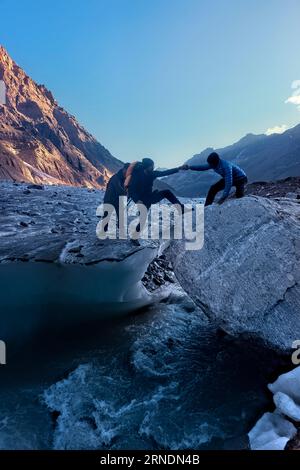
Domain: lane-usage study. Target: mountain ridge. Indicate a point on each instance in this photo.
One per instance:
(263, 157)
(40, 142)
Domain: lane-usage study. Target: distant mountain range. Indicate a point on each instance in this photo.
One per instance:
(264, 158)
(40, 142)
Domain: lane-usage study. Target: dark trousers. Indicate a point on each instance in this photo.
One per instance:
(116, 206)
(153, 198)
(220, 185)
(158, 196)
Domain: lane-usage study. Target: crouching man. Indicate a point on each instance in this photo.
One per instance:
(232, 175)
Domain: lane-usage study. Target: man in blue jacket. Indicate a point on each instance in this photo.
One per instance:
(232, 175)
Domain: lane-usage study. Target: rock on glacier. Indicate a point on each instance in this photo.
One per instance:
(246, 277)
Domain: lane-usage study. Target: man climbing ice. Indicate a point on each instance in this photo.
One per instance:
(140, 179)
(139, 184)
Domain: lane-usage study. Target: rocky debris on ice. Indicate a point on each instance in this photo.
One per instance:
(159, 273)
(246, 277)
(271, 432)
(286, 188)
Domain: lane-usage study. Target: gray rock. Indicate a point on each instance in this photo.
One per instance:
(247, 275)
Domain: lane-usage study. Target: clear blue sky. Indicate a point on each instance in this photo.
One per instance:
(164, 78)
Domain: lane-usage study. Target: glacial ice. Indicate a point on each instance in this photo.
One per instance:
(286, 390)
(33, 293)
(287, 406)
(288, 383)
(271, 432)
(52, 261)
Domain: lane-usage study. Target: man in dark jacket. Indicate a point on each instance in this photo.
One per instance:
(115, 189)
(232, 175)
(140, 188)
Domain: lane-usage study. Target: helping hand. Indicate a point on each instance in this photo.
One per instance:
(221, 201)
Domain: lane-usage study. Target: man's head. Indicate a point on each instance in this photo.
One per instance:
(148, 165)
(125, 168)
(213, 160)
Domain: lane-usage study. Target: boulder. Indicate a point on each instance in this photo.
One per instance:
(246, 276)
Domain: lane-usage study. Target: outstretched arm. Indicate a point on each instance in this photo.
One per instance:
(199, 167)
(159, 174)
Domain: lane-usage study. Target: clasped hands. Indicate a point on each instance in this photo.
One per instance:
(184, 167)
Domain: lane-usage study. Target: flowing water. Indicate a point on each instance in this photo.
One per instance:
(162, 378)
